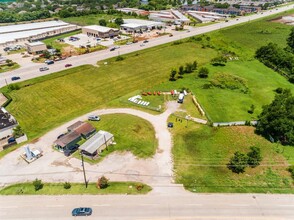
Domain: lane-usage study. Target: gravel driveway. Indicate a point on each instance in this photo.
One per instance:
(55, 167)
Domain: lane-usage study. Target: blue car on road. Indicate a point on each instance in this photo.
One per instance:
(83, 211)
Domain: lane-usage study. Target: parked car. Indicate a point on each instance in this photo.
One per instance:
(44, 68)
(83, 211)
(60, 136)
(145, 41)
(112, 49)
(15, 78)
(170, 125)
(129, 43)
(11, 140)
(94, 118)
(116, 47)
(71, 149)
(142, 45)
(68, 65)
(171, 35)
(48, 62)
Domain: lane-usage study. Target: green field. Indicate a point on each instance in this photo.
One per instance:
(76, 189)
(131, 133)
(201, 154)
(84, 88)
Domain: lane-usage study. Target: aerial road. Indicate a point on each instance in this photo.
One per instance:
(193, 206)
(31, 70)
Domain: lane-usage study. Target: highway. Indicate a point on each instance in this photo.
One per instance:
(31, 70)
(193, 206)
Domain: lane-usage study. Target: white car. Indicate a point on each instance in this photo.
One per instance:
(44, 68)
(94, 118)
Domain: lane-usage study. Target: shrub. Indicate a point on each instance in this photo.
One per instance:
(238, 162)
(291, 170)
(203, 72)
(66, 185)
(119, 58)
(102, 183)
(38, 184)
(254, 157)
(251, 110)
(139, 187)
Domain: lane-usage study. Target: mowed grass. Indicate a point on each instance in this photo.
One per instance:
(201, 154)
(131, 133)
(76, 189)
(246, 38)
(52, 41)
(54, 99)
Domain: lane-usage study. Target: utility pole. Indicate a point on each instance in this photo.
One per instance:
(86, 183)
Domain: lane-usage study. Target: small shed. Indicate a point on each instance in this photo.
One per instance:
(97, 143)
(36, 47)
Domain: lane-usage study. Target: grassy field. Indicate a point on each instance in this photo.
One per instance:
(201, 154)
(76, 189)
(84, 88)
(131, 133)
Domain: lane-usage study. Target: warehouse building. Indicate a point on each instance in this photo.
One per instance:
(100, 31)
(36, 47)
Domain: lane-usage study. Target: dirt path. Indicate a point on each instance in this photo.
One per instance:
(55, 167)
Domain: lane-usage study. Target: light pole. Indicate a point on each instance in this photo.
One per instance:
(85, 179)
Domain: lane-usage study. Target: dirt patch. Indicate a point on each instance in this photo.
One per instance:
(69, 51)
(288, 20)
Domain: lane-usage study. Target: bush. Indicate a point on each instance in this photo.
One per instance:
(38, 184)
(139, 187)
(102, 183)
(291, 170)
(238, 162)
(13, 87)
(254, 157)
(119, 58)
(66, 185)
(203, 72)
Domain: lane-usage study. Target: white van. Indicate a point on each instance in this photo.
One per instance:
(181, 98)
(94, 118)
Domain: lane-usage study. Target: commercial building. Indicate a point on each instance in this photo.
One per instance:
(100, 31)
(36, 47)
(96, 144)
(7, 123)
(137, 25)
(67, 140)
(23, 33)
(133, 10)
(170, 16)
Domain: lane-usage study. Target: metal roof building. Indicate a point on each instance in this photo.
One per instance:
(97, 143)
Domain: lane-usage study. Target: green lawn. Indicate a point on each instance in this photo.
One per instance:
(76, 189)
(201, 154)
(131, 133)
(70, 93)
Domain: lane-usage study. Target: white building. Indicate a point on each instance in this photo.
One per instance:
(135, 25)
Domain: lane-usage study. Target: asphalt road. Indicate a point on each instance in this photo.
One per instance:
(31, 70)
(194, 206)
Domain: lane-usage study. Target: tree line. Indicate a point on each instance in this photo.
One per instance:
(277, 58)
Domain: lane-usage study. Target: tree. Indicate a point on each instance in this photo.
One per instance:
(251, 110)
(194, 65)
(290, 40)
(218, 61)
(238, 162)
(66, 185)
(203, 72)
(188, 68)
(102, 183)
(254, 157)
(172, 76)
(181, 70)
(102, 22)
(17, 131)
(38, 184)
(119, 21)
(277, 119)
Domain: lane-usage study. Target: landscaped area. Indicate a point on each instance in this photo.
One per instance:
(8, 67)
(201, 155)
(131, 188)
(131, 133)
